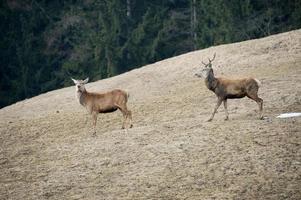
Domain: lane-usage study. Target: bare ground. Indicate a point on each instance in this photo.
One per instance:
(47, 150)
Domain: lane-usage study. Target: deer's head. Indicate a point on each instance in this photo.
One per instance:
(80, 84)
(205, 70)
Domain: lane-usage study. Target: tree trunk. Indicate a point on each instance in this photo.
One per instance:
(128, 8)
(193, 23)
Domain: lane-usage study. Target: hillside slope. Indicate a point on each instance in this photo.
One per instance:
(48, 152)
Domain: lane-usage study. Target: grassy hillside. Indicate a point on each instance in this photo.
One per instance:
(48, 152)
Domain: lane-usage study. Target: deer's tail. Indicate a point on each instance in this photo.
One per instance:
(258, 82)
(127, 95)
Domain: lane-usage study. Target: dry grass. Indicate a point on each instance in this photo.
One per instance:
(48, 152)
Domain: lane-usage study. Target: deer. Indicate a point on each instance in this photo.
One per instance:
(103, 102)
(226, 89)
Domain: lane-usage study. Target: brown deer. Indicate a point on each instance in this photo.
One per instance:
(230, 88)
(103, 102)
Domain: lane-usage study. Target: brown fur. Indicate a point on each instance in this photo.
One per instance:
(103, 102)
(231, 89)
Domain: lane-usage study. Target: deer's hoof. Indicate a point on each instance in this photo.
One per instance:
(226, 119)
(131, 126)
(209, 120)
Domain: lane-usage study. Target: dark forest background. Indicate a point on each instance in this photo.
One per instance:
(44, 43)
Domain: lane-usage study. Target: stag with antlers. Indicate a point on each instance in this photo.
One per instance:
(229, 88)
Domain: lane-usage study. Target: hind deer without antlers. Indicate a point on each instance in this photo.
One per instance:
(229, 88)
(103, 102)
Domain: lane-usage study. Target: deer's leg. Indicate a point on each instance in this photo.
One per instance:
(124, 119)
(130, 117)
(219, 102)
(259, 101)
(226, 109)
(127, 114)
(94, 117)
(124, 112)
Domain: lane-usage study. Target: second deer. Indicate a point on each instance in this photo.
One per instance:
(230, 88)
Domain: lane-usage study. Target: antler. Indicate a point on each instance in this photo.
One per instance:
(212, 58)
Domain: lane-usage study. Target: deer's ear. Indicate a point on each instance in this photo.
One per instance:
(86, 80)
(75, 81)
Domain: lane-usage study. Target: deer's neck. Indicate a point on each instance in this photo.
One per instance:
(81, 95)
(211, 81)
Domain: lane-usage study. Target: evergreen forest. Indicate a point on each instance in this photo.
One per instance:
(45, 42)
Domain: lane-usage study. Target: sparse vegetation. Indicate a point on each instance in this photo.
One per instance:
(47, 151)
